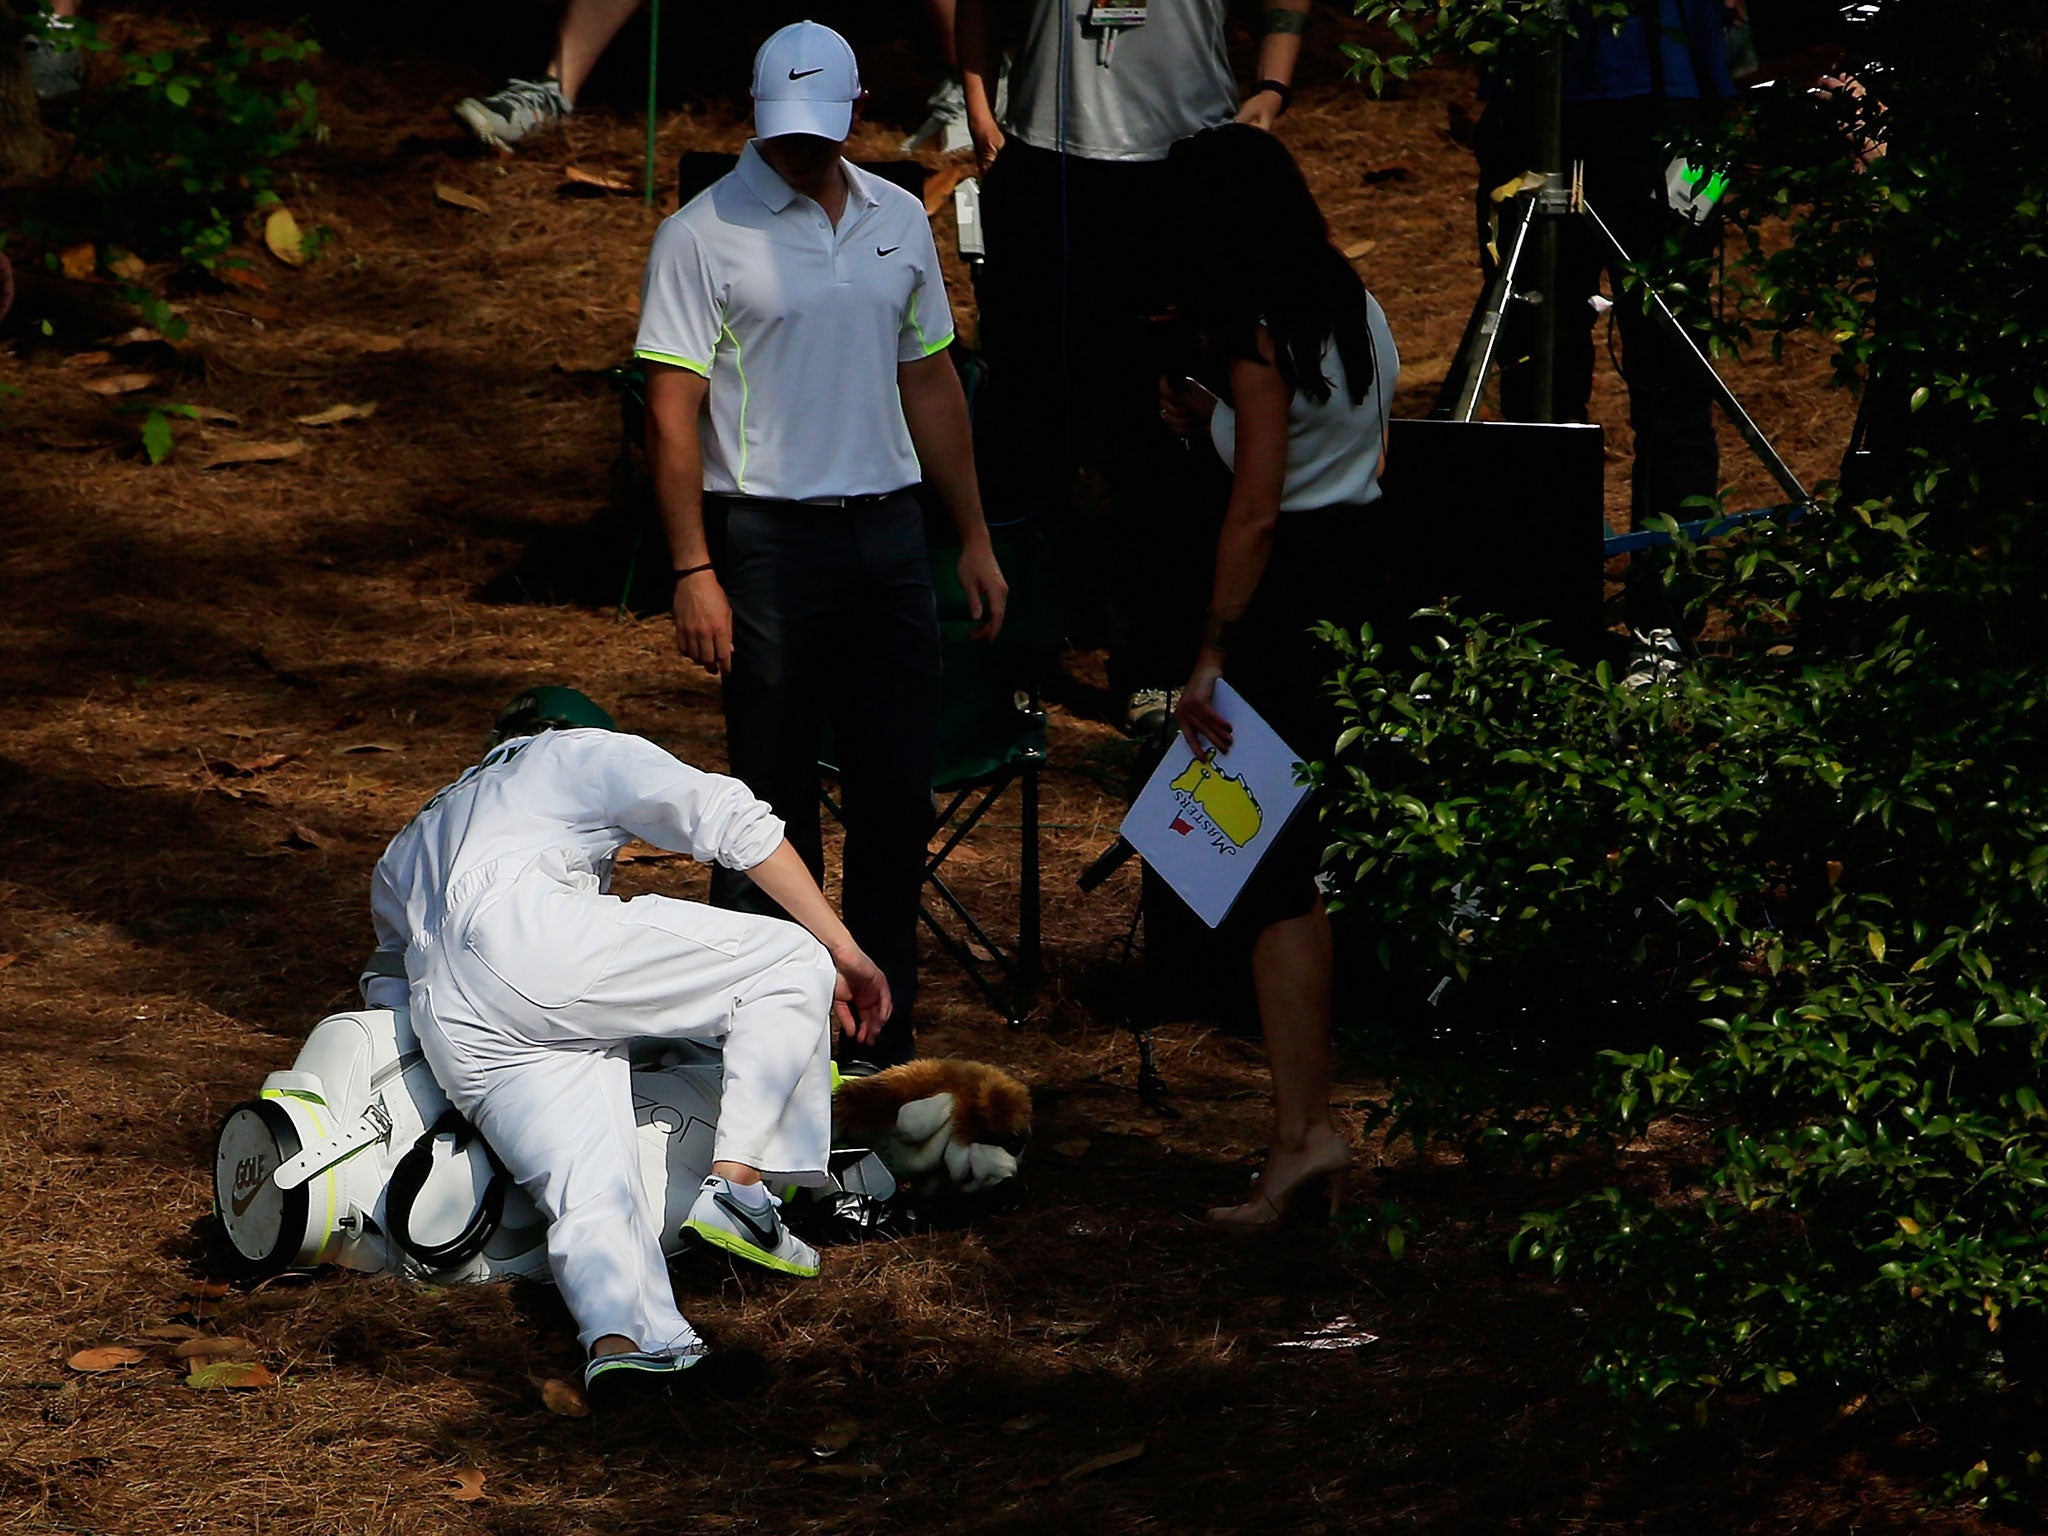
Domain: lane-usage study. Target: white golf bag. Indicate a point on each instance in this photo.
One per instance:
(355, 1157)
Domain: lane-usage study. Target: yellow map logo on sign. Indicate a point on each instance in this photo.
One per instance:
(1223, 799)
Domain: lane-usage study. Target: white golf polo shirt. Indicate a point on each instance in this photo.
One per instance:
(799, 327)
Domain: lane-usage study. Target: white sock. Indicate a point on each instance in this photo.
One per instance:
(753, 1196)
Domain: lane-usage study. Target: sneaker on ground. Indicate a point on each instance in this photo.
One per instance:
(54, 73)
(611, 1379)
(1658, 660)
(1149, 711)
(948, 119)
(524, 107)
(723, 1220)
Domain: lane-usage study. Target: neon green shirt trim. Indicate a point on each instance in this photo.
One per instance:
(740, 367)
(702, 370)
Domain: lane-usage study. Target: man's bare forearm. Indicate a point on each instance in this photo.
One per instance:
(935, 410)
(676, 456)
(1280, 40)
(974, 39)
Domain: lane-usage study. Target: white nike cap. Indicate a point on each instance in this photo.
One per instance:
(805, 81)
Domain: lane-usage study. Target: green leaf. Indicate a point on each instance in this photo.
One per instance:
(156, 437)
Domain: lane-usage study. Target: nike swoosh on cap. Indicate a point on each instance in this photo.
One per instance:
(805, 74)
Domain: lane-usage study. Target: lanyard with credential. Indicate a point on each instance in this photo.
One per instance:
(1107, 19)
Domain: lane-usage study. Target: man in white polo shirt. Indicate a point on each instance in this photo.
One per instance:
(797, 307)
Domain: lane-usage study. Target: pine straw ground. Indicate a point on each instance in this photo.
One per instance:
(168, 934)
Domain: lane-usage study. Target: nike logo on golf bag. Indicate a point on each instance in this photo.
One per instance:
(805, 74)
(889, 252)
(767, 1236)
(239, 1203)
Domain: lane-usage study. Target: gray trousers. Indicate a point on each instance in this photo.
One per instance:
(835, 625)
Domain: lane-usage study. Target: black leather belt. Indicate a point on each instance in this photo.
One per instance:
(871, 499)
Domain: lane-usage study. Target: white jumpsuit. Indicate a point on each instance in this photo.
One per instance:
(526, 979)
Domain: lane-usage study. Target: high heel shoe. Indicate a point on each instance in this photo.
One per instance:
(1277, 1190)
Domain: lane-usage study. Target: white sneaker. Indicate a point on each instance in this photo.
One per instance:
(1658, 660)
(522, 108)
(1149, 711)
(948, 119)
(723, 1220)
(53, 73)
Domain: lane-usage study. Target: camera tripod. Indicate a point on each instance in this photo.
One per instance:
(1530, 255)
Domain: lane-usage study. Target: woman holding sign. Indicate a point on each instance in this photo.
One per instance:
(1311, 368)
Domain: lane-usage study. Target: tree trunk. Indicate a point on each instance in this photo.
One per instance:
(21, 124)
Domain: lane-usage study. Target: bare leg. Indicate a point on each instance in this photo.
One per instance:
(66, 7)
(736, 1173)
(1291, 966)
(587, 30)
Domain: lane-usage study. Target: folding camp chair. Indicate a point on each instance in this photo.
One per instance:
(992, 735)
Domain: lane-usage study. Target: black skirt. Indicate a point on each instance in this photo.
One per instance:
(1340, 564)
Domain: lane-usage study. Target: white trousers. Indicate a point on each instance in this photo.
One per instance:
(524, 1006)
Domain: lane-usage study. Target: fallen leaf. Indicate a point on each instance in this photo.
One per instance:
(134, 334)
(380, 344)
(242, 278)
(598, 181)
(207, 1290)
(455, 197)
(366, 746)
(844, 1469)
(88, 359)
(7, 960)
(78, 261)
(834, 1438)
(1358, 248)
(171, 1333)
(107, 1357)
(1023, 1424)
(335, 414)
(128, 268)
(230, 1376)
(1778, 650)
(1102, 1463)
(789, 1464)
(564, 1398)
(1076, 1147)
(303, 836)
(256, 309)
(469, 1486)
(217, 416)
(938, 187)
(203, 1348)
(281, 236)
(253, 453)
(121, 383)
(223, 768)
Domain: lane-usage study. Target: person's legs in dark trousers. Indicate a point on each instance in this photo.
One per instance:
(833, 618)
(885, 718)
(784, 581)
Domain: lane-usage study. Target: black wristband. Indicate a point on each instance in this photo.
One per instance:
(1279, 88)
(693, 570)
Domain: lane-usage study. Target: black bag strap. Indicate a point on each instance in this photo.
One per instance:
(410, 1177)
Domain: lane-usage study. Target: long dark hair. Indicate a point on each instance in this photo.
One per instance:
(1256, 251)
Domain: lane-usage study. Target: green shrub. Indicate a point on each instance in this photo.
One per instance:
(1829, 839)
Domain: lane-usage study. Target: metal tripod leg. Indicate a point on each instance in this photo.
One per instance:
(1751, 433)
(1482, 331)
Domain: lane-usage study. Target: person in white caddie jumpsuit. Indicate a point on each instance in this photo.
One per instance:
(525, 980)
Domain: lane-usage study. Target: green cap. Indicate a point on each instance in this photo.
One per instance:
(548, 708)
